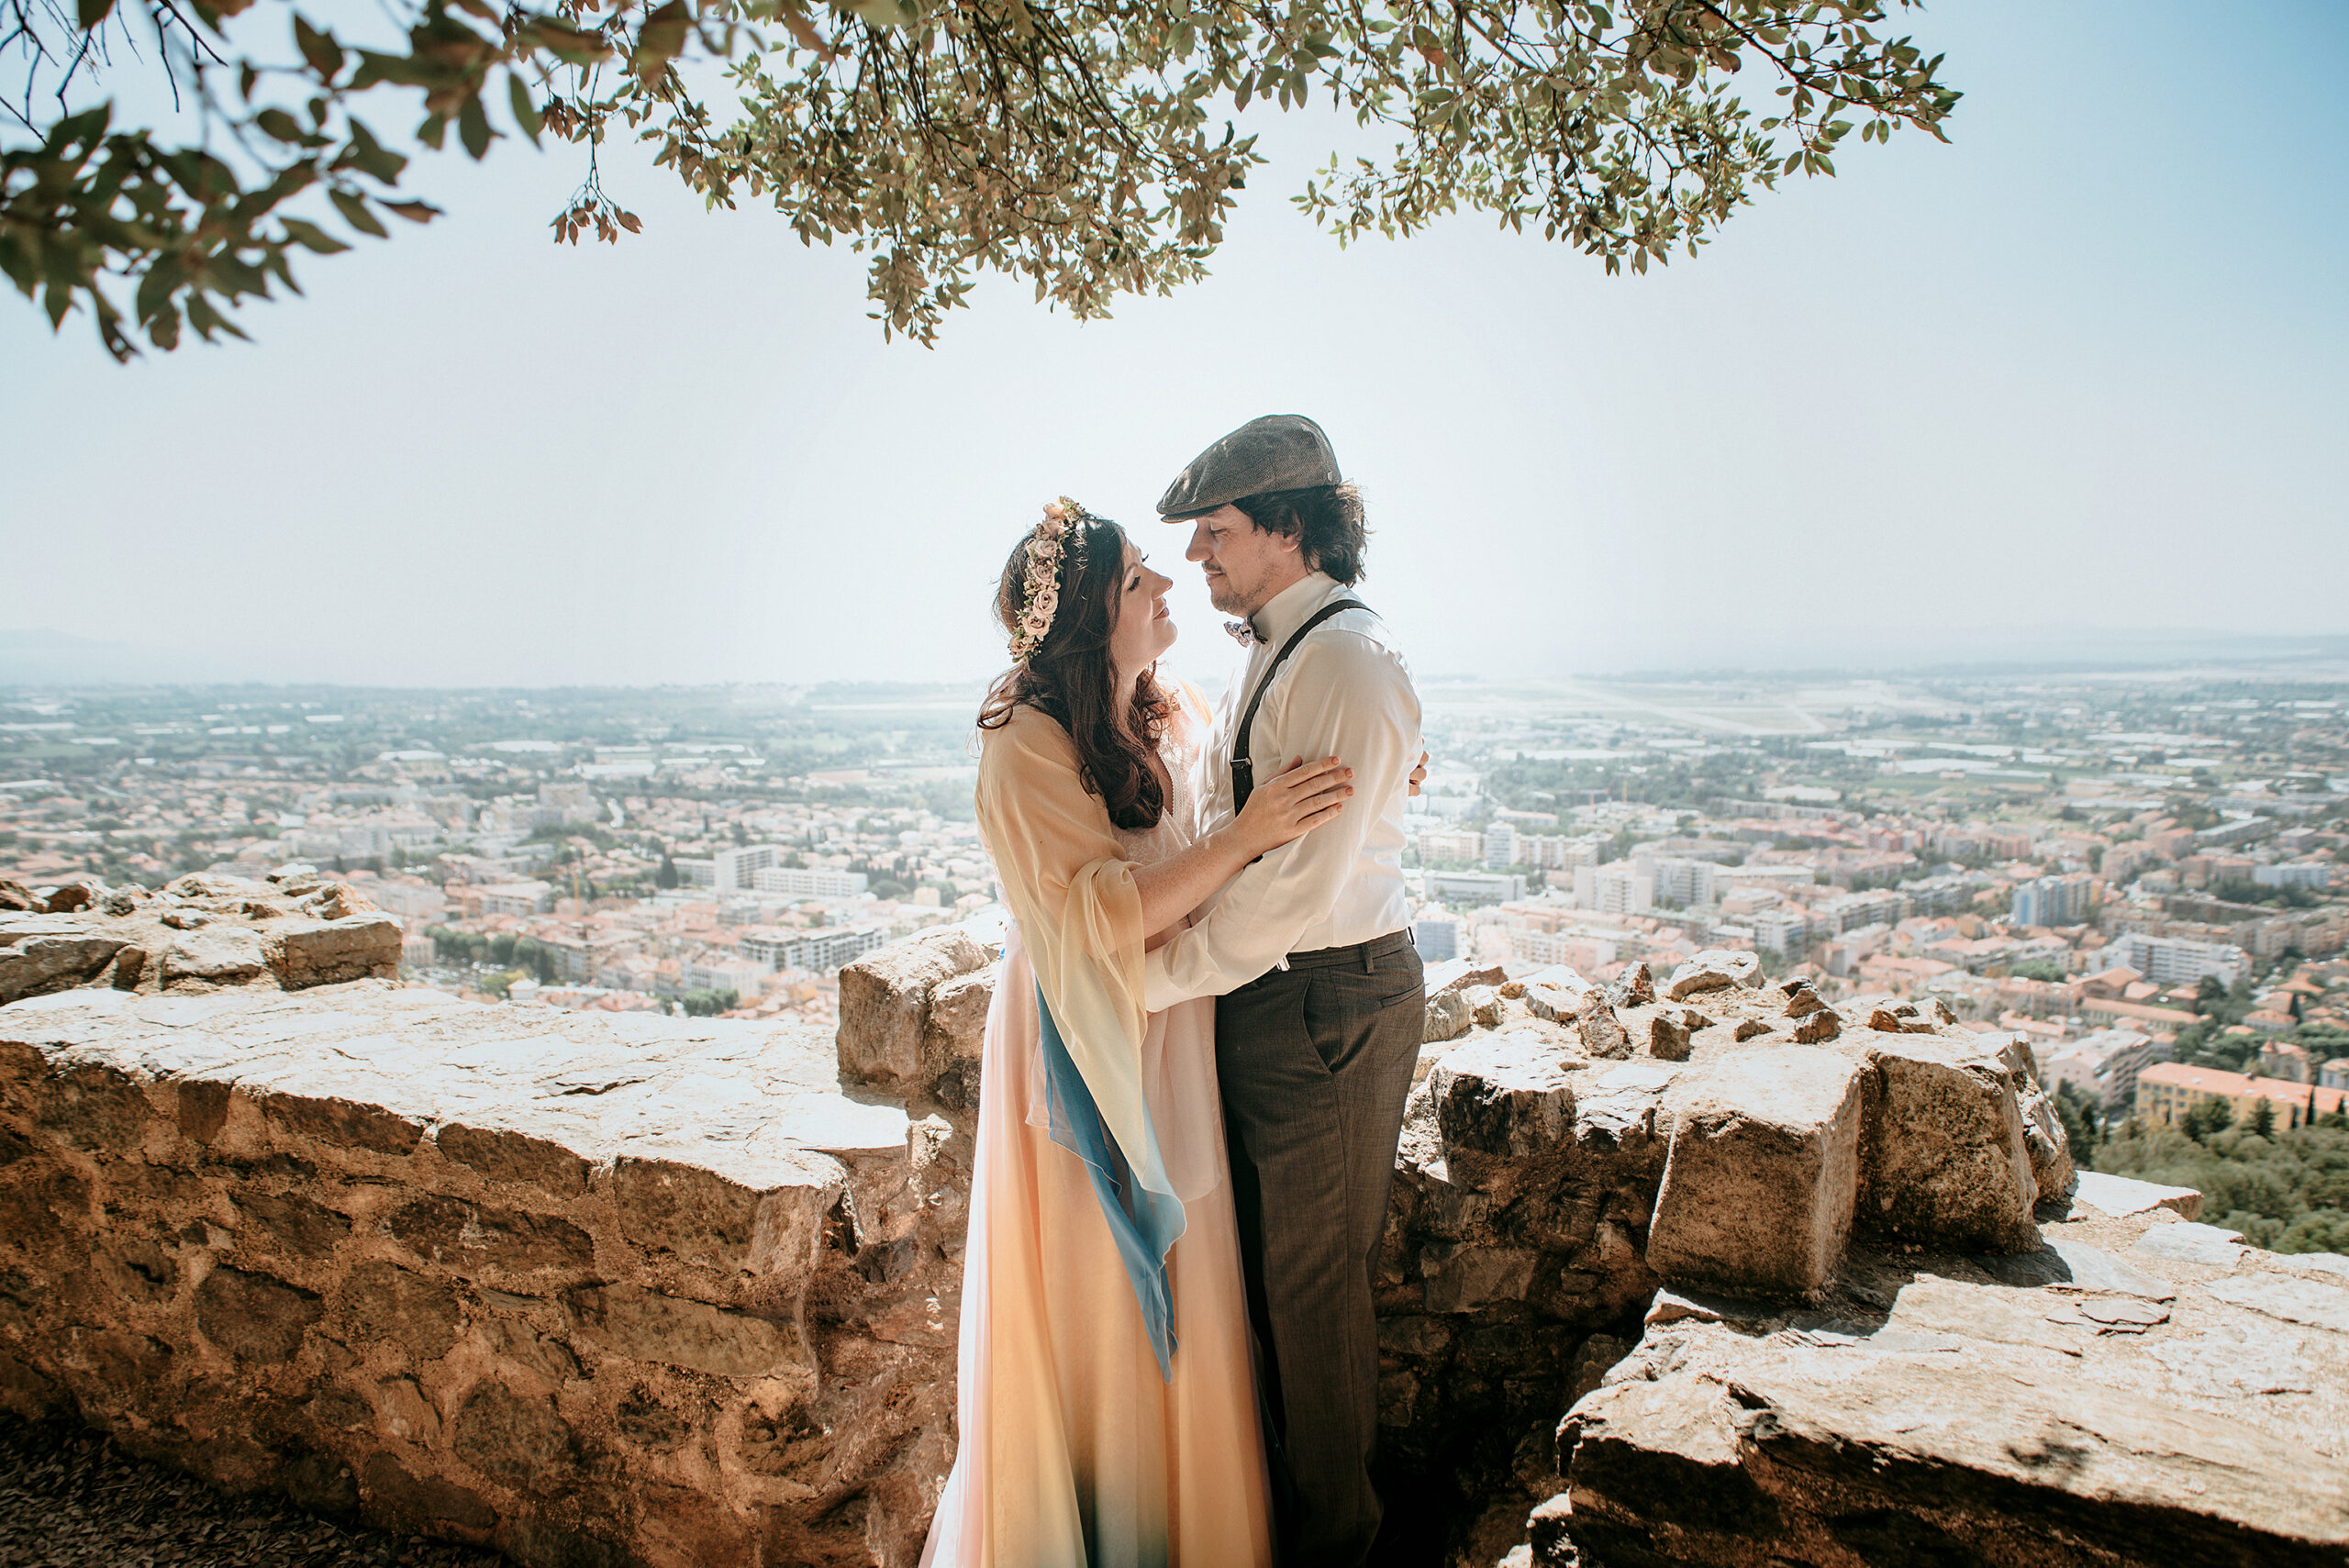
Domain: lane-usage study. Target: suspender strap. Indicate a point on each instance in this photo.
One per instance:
(1243, 770)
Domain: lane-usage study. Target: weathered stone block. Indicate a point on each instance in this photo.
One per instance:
(1715, 969)
(326, 952)
(221, 953)
(467, 1235)
(92, 1106)
(1603, 1034)
(382, 1302)
(2043, 1129)
(1502, 1099)
(700, 1217)
(292, 1225)
(512, 1437)
(500, 1156)
(43, 952)
(1945, 1161)
(201, 1109)
(423, 1502)
(1449, 1016)
(1668, 1034)
(255, 1317)
(1819, 1027)
(1463, 1277)
(643, 1325)
(344, 1124)
(1762, 1173)
(885, 1004)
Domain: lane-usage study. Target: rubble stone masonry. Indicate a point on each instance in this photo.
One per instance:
(609, 1289)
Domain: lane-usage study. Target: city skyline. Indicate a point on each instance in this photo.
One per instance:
(2013, 388)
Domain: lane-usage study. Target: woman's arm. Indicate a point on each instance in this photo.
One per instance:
(1286, 807)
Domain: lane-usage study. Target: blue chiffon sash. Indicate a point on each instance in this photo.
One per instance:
(1144, 1223)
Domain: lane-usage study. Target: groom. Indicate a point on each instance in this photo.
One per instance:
(1321, 1011)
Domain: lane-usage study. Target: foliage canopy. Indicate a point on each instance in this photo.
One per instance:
(1087, 147)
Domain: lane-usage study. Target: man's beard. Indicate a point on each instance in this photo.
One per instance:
(1226, 598)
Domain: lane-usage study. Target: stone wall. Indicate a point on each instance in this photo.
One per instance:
(626, 1289)
(199, 934)
(594, 1290)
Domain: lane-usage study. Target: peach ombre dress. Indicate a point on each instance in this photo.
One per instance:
(1107, 1409)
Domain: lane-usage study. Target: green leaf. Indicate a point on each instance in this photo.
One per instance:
(284, 127)
(472, 127)
(415, 212)
(353, 208)
(372, 157)
(526, 108)
(92, 12)
(310, 237)
(318, 48)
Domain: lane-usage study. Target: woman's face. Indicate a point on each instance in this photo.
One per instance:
(1144, 630)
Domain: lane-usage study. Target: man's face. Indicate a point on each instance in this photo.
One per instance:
(1245, 566)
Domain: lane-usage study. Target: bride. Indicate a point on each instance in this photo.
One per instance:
(1107, 1412)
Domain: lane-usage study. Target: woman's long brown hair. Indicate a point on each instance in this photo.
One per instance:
(1070, 677)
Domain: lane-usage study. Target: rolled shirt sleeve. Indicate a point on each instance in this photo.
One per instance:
(1342, 694)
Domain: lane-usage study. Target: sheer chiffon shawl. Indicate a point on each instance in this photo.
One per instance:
(1067, 882)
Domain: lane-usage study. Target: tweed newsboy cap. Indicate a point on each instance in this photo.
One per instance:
(1279, 451)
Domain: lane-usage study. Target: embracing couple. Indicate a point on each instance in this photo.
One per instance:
(1200, 1044)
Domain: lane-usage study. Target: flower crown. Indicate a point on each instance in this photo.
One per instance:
(1058, 540)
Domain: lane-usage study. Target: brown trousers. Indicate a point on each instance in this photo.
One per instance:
(1315, 1061)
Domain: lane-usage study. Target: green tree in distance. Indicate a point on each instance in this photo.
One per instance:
(1086, 147)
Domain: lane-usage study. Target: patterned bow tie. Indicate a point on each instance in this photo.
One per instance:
(1243, 633)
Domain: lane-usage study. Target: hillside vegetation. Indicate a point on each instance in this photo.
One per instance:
(2288, 1192)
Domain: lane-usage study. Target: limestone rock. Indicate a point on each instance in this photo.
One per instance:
(2122, 1196)
(1493, 975)
(226, 953)
(1945, 1161)
(1448, 1017)
(15, 896)
(2043, 1129)
(1790, 1448)
(1714, 970)
(1636, 987)
(1801, 1000)
(73, 895)
(1668, 1034)
(327, 952)
(2190, 1241)
(1751, 1029)
(885, 1006)
(41, 952)
(1603, 1034)
(1501, 1098)
(1819, 1027)
(1484, 1005)
(1763, 1174)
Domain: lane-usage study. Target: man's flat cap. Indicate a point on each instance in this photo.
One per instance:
(1279, 451)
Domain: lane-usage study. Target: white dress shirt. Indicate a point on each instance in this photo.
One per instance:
(1344, 693)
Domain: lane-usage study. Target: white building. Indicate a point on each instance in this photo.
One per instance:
(1473, 888)
(1679, 879)
(1786, 932)
(2174, 960)
(809, 881)
(1500, 847)
(1623, 887)
(2294, 874)
(759, 868)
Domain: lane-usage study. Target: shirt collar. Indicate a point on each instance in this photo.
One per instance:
(1289, 609)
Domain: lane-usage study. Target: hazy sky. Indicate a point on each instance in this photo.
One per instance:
(2083, 370)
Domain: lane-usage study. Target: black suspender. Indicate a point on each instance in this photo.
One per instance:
(1243, 769)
